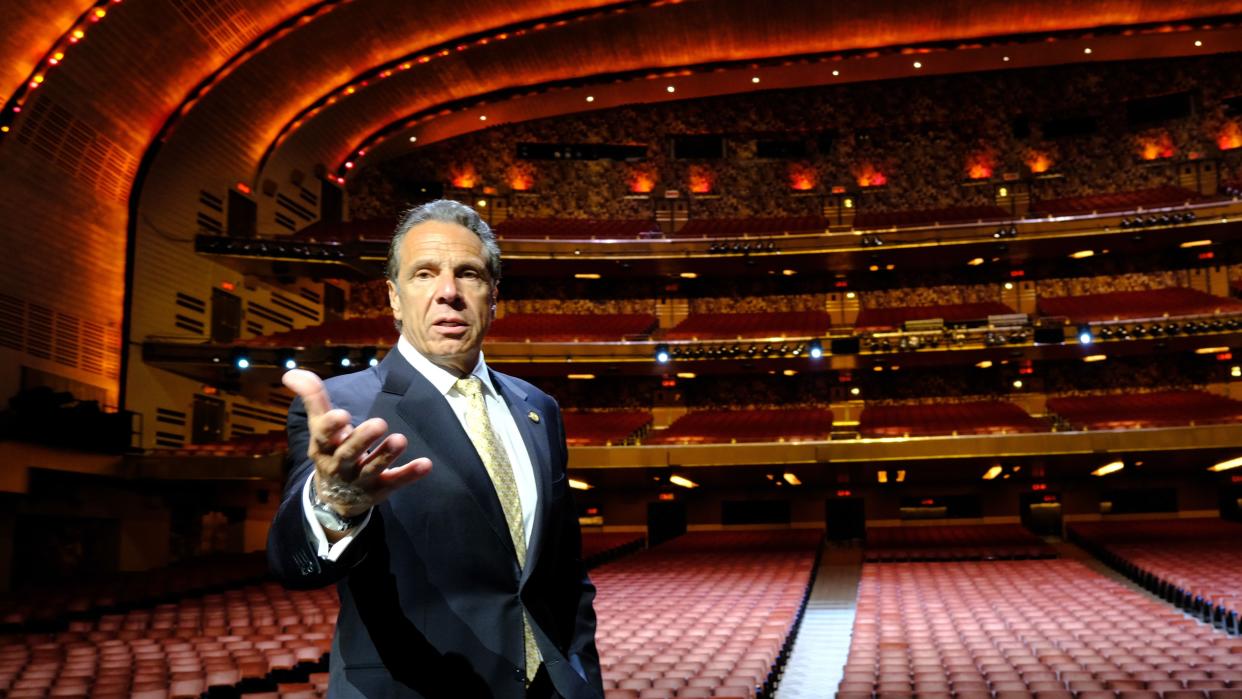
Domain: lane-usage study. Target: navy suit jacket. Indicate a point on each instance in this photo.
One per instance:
(431, 592)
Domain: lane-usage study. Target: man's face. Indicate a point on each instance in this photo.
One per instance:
(444, 296)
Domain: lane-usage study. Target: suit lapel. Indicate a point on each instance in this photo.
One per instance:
(535, 435)
(434, 428)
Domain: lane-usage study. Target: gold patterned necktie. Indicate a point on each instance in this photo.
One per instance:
(496, 461)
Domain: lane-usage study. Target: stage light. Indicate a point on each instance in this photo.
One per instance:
(580, 377)
(579, 485)
(792, 479)
(816, 349)
(992, 473)
(755, 80)
(289, 362)
(1017, 383)
(1108, 468)
(1226, 465)
(682, 481)
(1095, 358)
(670, 88)
(345, 361)
(1084, 335)
(661, 354)
(855, 391)
(590, 98)
(881, 476)
(242, 362)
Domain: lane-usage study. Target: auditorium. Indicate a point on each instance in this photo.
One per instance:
(897, 345)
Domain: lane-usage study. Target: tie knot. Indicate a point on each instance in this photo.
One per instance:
(470, 387)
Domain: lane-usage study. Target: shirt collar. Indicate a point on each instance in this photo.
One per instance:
(441, 378)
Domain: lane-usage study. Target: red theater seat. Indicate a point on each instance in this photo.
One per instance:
(571, 327)
(1157, 197)
(603, 428)
(929, 217)
(739, 326)
(729, 426)
(1129, 305)
(1144, 410)
(751, 227)
(918, 420)
(574, 229)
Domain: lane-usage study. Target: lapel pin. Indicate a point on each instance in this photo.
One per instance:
(534, 417)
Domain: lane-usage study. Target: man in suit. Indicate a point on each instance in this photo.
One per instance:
(458, 580)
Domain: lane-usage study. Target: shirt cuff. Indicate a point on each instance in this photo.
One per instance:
(327, 551)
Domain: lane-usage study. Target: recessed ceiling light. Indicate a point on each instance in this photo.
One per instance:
(590, 98)
(755, 79)
(917, 65)
(1005, 59)
(482, 117)
(413, 139)
(670, 88)
(836, 73)
(1087, 50)
(1198, 43)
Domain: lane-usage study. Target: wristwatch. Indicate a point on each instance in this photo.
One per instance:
(330, 518)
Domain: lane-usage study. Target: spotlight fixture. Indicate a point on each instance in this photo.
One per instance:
(816, 349)
(242, 362)
(661, 354)
(682, 481)
(1108, 468)
(1084, 335)
(1226, 465)
(289, 362)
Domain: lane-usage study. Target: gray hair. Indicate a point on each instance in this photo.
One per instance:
(446, 211)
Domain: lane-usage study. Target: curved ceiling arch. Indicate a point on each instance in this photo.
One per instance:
(671, 37)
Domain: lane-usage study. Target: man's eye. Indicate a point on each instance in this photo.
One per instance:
(423, 274)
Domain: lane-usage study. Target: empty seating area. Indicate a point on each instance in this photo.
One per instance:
(1141, 410)
(1051, 629)
(738, 227)
(347, 231)
(599, 547)
(378, 331)
(873, 319)
(1195, 564)
(604, 428)
(1157, 197)
(574, 229)
(1123, 305)
(706, 615)
(928, 419)
(730, 426)
(953, 543)
(54, 607)
(929, 217)
(571, 327)
(263, 444)
(258, 635)
(738, 326)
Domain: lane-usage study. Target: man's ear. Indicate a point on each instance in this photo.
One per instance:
(394, 301)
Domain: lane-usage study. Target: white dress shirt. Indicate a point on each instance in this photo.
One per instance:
(502, 423)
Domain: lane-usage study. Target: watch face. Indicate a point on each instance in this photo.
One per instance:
(331, 520)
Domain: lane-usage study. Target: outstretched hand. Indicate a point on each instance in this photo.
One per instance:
(348, 477)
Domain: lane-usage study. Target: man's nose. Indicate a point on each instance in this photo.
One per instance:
(447, 288)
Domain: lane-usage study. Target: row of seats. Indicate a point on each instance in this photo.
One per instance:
(732, 426)
(1144, 410)
(571, 327)
(1143, 199)
(738, 227)
(632, 229)
(919, 420)
(615, 327)
(216, 642)
(1091, 412)
(736, 326)
(953, 543)
(706, 615)
(54, 606)
(599, 547)
(604, 428)
(929, 217)
(250, 445)
(1126, 305)
(1049, 629)
(1194, 563)
(574, 229)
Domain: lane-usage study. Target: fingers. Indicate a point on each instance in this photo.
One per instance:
(352, 449)
(400, 476)
(310, 388)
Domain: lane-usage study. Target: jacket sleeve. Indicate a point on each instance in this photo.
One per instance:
(582, 651)
(292, 552)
